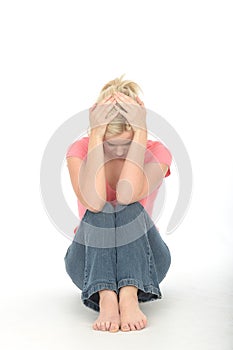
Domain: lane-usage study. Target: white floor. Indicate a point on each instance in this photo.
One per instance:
(181, 56)
(195, 312)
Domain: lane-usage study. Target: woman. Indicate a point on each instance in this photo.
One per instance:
(117, 257)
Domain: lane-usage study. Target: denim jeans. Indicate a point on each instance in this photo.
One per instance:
(117, 247)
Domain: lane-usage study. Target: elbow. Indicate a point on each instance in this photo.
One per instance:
(123, 199)
(98, 208)
(120, 197)
(93, 210)
(125, 195)
(120, 201)
(101, 204)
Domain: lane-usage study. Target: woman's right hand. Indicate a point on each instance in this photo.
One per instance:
(101, 114)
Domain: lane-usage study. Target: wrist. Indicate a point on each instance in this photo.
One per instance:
(140, 133)
(97, 133)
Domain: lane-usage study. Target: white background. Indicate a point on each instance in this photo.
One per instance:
(55, 58)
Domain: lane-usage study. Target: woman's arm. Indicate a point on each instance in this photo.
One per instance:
(92, 182)
(131, 179)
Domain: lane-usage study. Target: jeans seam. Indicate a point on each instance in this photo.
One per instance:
(148, 288)
(94, 288)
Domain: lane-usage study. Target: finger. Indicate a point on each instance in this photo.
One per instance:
(120, 100)
(119, 104)
(117, 98)
(126, 101)
(125, 98)
(121, 111)
(112, 99)
(140, 101)
(106, 99)
(106, 108)
(93, 107)
(121, 97)
(111, 115)
(126, 106)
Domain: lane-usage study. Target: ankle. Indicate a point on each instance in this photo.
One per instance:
(106, 292)
(128, 292)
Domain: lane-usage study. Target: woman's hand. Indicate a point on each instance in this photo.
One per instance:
(133, 111)
(101, 114)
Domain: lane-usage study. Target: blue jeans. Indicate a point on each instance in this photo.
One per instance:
(117, 247)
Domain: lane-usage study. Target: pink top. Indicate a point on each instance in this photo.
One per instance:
(155, 152)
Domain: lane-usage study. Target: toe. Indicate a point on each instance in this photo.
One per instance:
(144, 321)
(125, 327)
(94, 326)
(137, 325)
(107, 325)
(114, 327)
(102, 326)
(98, 326)
(141, 324)
(133, 328)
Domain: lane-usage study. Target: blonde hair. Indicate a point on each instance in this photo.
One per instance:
(128, 87)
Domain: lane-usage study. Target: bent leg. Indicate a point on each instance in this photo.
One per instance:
(95, 242)
(75, 263)
(75, 256)
(160, 251)
(142, 256)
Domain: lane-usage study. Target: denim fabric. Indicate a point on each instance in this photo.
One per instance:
(117, 247)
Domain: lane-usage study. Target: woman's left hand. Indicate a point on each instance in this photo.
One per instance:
(133, 111)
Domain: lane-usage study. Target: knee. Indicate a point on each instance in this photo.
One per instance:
(102, 219)
(130, 205)
(135, 207)
(106, 208)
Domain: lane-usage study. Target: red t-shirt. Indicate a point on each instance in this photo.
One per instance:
(155, 151)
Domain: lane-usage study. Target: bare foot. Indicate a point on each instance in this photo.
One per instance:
(131, 317)
(109, 317)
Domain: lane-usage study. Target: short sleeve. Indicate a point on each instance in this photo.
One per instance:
(157, 152)
(78, 148)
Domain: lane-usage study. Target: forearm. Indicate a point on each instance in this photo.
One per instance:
(92, 175)
(131, 178)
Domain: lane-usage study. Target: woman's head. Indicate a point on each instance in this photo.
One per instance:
(119, 124)
(117, 146)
